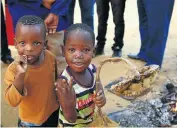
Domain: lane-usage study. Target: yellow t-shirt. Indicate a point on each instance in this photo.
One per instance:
(39, 99)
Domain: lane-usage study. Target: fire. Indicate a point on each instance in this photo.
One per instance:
(174, 108)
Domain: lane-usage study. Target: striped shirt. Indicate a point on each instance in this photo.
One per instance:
(84, 101)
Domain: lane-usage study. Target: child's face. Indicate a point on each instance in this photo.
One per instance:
(30, 41)
(78, 52)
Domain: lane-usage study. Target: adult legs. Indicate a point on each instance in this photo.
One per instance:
(87, 12)
(118, 7)
(144, 33)
(71, 12)
(159, 15)
(103, 14)
(5, 51)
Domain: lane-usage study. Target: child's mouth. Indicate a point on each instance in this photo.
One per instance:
(78, 64)
(29, 58)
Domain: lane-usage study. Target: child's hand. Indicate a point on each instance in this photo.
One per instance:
(100, 99)
(21, 64)
(65, 93)
(21, 70)
(67, 99)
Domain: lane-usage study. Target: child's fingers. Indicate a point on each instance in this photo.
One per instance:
(101, 104)
(63, 83)
(99, 92)
(99, 97)
(22, 59)
(25, 58)
(102, 100)
(60, 89)
(71, 82)
(60, 82)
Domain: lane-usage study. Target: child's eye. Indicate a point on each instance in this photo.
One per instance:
(36, 43)
(22, 43)
(71, 49)
(86, 50)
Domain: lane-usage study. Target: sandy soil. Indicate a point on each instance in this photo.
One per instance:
(132, 43)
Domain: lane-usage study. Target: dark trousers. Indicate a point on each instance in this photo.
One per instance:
(52, 121)
(154, 21)
(4, 43)
(87, 11)
(118, 7)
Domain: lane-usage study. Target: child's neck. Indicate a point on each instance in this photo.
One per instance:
(76, 74)
(84, 78)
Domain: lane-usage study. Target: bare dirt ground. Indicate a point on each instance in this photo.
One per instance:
(9, 114)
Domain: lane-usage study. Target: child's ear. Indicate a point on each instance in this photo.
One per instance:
(45, 44)
(15, 43)
(62, 50)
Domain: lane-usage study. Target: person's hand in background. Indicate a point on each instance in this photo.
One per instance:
(48, 3)
(51, 23)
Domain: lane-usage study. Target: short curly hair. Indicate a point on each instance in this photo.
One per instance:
(82, 28)
(32, 20)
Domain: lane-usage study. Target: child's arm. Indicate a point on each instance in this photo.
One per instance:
(15, 81)
(67, 99)
(100, 99)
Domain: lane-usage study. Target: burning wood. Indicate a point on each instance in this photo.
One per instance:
(171, 97)
(174, 108)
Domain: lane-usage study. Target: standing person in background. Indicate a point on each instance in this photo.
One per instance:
(5, 51)
(154, 21)
(53, 12)
(87, 12)
(118, 7)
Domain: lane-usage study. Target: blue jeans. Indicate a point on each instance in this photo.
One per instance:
(52, 121)
(87, 11)
(154, 20)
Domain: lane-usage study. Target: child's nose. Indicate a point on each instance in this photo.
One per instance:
(29, 47)
(79, 54)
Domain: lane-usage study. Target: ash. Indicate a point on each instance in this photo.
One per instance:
(151, 113)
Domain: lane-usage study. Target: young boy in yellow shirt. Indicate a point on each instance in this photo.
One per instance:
(30, 79)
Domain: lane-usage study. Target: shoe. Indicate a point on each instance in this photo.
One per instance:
(135, 56)
(7, 59)
(117, 53)
(147, 64)
(99, 50)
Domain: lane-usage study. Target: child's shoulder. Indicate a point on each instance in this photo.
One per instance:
(50, 54)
